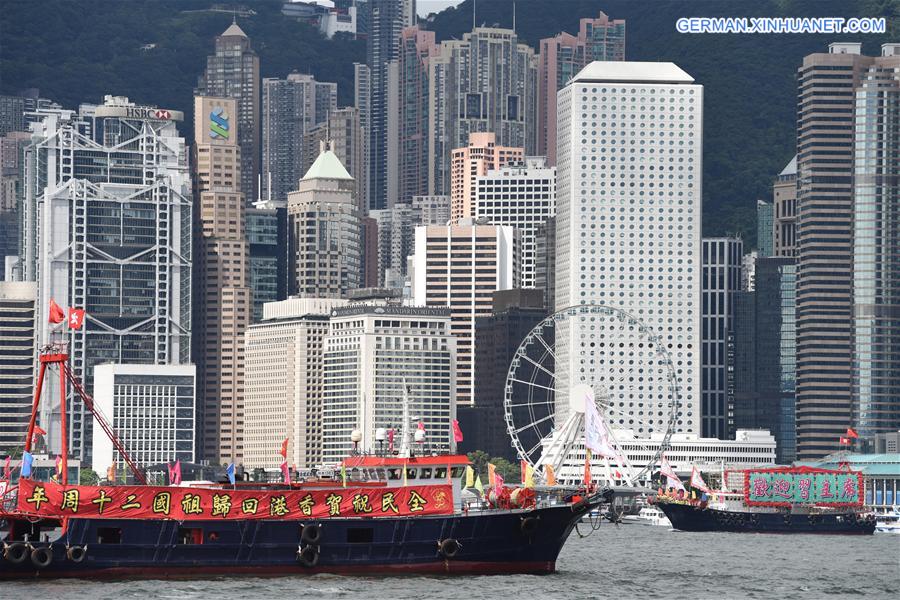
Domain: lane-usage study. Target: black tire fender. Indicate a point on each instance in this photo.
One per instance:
(76, 553)
(529, 525)
(15, 553)
(308, 556)
(42, 556)
(449, 547)
(311, 535)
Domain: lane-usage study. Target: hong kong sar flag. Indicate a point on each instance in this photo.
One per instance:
(76, 318)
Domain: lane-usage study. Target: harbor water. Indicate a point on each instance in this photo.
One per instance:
(627, 561)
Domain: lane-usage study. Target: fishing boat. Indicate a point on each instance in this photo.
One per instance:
(391, 515)
(888, 522)
(777, 500)
(648, 515)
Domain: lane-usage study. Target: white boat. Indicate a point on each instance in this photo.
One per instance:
(649, 515)
(888, 522)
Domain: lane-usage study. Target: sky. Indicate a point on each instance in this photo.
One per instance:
(426, 7)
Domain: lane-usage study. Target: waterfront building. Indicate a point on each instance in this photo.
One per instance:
(497, 337)
(784, 196)
(466, 95)
(362, 96)
(111, 239)
(268, 244)
(459, 267)
(232, 71)
(562, 57)
(223, 306)
(151, 407)
(836, 172)
(432, 210)
(721, 280)
(387, 19)
(765, 354)
(324, 225)
(619, 244)
(765, 228)
(12, 178)
(378, 357)
(749, 449)
(416, 46)
(468, 162)
(285, 378)
(545, 260)
(12, 114)
(18, 348)
(291, 107)
(522, 195)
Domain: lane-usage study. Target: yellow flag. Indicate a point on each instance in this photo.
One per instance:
(344, 475)
(479, 486)
(549, 475)
(470, 477)
(693, 495)
(492, 482)
(529, 476)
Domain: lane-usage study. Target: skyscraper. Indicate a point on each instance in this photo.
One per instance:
(876, 247)
(459, 267)
(629, 161)
(233, 72)
(825, 240)
(267, 236)
(290, 108)
(12, 114)
(324, 225)
(416, 46)
(362, 97)
(765, 228)
(480, 154)
(285, 380)
(561, 58)
(18, 347)
(12, 177)
(520, 195)
(223, 304)
(784, 196)
(387, 18)
(721, 280)
(343, 134)
(371, 353)
(115, 240)
(396, 227)
(486, 82)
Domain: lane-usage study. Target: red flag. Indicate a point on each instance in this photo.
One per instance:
(851, 433)
(498, 484)
(523, 466)
(618, 475)
(56, 313)
(76, 318)
(7, 470)
(175, 476)
(391, 440)
(38, 430)
(286, 471)
(457, 432)
(284, 447)
(845, 441)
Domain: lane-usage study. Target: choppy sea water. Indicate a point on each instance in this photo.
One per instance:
(629, 561)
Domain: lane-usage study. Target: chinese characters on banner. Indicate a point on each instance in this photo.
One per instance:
(183, 504)
(784, 487)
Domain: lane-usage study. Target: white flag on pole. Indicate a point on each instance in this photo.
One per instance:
(697, 481)
(671, 477)
(596, 436)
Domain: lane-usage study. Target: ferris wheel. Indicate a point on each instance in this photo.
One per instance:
(592, 353)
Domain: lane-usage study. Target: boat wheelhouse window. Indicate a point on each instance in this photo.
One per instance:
(412, 473)
(440, 473)
(394, 473)
(360, 535)
(457, 472)
(189, 535)
(426, 473)
(109, 535)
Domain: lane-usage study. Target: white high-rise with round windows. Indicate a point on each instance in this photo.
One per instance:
(629, 152)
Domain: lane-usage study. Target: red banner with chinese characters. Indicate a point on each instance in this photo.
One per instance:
(191, 503)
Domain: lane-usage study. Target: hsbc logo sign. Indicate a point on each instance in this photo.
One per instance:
(163, 115)
(144, 113)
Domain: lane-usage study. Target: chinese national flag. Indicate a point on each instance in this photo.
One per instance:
(845, 441)
(76, 318)
(851, 433)
(56, 313)
(284, 448)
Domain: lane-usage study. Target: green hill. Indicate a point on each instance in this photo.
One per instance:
(78, 50)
